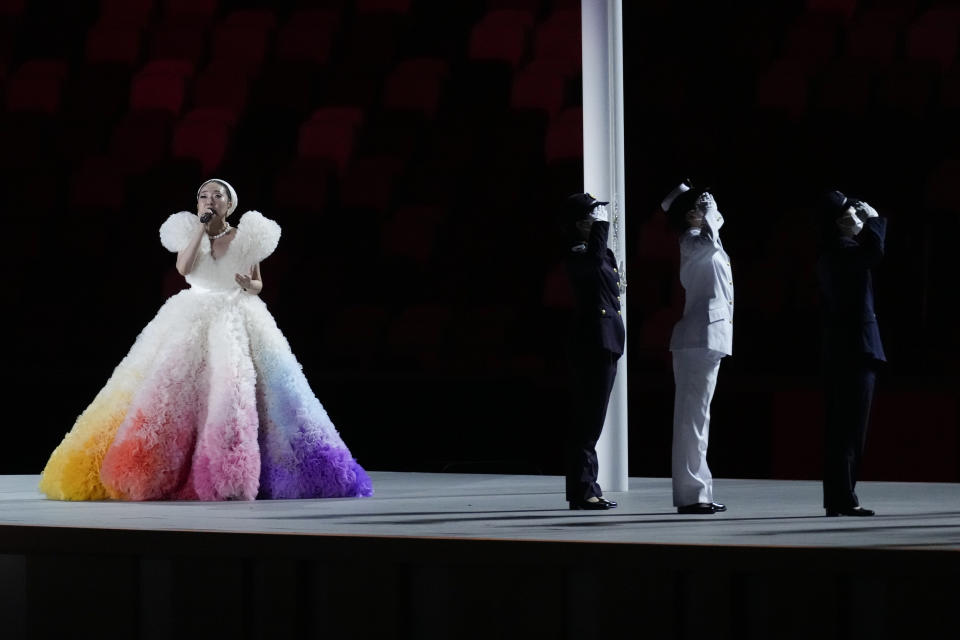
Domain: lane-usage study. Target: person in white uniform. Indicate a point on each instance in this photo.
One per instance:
(701, 338)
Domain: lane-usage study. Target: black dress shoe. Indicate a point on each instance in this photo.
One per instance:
(586, 505)
(717, 507)
(850, 511)
(700, 507)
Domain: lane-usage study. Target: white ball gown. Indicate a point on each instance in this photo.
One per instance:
(210, 402)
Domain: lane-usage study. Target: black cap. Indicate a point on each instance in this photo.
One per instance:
(835, 203)
(579, 206)
(678, 202)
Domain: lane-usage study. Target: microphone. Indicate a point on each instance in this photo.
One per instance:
(205, 218)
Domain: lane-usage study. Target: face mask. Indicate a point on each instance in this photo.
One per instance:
(849, 223)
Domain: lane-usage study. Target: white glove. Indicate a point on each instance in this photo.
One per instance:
(600, 213)
(849, 223)
(866, 211)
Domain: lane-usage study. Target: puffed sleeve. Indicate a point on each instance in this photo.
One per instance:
(258, 236)
(177, 230)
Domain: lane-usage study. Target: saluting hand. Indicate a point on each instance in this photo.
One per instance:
(867, 210)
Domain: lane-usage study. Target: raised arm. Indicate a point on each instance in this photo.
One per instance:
(597, 243)
(866, 250)
(187, 257)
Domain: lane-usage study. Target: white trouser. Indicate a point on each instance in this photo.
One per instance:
(695, 375)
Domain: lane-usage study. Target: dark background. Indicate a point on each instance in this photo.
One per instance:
(414, 153)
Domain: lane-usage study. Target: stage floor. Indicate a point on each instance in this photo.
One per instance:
(762, 513)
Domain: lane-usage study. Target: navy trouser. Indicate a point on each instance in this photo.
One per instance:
(593, 375)
(849, 396)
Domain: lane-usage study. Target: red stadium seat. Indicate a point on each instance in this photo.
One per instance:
(783, 88)
(411, 233)
(179, 41)
(539, 85)
(140, 141)
(909, 87)
(11, 7)
(564, 139)
(356, 334)
(528, 6)
(369, 182)
(383, 6)
(845, 8)
(419, 332)
(98, 93)
(873, 37)
(846, 87)
(308, 36)
(37, 85)
(157, 90)
(949, 99)
(241, 46)
(131, 12)
(477, 338)
(176, 67)
(500, 35)
(371, 45)
(202, 137)
(414, 85)
(940, 193)
(557, 292)
(30, 141)
(212, 114)
(97, 183)
(110, 41)
(184, 11)
(813, 39)
(263, 19)
(302, 186)
(330, 133)
(655, 241)
(934, 36)
(565, 135)
(224, 85)
(558, 40)
(519, 16)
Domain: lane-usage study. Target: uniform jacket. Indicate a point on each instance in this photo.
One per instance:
(844, 270)
(707, 279)
(596, 284)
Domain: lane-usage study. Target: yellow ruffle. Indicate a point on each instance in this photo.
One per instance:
(73, 471)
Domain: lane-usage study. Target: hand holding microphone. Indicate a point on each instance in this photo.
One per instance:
(207, 216)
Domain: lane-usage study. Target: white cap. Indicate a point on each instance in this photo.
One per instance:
(230, 190)
(682, 188)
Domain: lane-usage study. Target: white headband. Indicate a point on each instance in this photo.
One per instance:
(683, 187)
(230, 191)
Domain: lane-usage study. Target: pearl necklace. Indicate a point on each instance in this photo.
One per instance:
(222, 233)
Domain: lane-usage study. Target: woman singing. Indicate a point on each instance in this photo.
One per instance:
(210, 403)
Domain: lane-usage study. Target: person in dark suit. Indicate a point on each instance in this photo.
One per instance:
(852, 349)
(597, 342)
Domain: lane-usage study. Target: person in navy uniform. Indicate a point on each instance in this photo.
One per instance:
(852, 350)
(701, 338)
(597, 342)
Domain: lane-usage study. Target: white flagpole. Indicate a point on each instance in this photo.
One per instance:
(603, 177)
